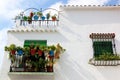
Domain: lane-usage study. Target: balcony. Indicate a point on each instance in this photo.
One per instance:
(38, 18)
(33, 61)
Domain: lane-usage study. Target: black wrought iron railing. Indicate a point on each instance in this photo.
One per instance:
(38, 18)
(39, 23)
(30, 63)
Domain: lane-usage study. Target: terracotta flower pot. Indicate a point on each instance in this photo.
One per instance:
(54, 18)
(49, 68)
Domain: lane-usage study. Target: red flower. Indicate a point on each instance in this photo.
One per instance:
(13, 52)
(32, 51)
(40, 52)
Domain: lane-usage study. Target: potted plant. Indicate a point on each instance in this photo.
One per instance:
(36, 17)
(40, 52)
(35, 65)
(39, 14)
(19, 51)
(46, 52)
(48, 16)
(26, 51)
(33, 51)
(25, 18)
(29, 20)
(12, 49)
(12, 52)
(31, 14)
(19, 56)
(51, 52)
(54, 18)
(43, 18)
(42, 63)
(49, 66)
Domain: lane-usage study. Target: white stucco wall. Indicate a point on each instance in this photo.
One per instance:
(75, 26)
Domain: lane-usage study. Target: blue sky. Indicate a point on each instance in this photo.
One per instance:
(8, 12)
(10, 8)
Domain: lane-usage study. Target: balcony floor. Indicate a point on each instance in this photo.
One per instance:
(31, 75)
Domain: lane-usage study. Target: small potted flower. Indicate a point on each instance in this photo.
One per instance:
(25, 18)
(49, 66)
(39, 14)
(36, 17)
(29, 20)
(48, 16)
(12, 49)
(43, 18)
(54, 17)
(12, 52)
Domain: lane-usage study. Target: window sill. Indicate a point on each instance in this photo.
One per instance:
(104, 62)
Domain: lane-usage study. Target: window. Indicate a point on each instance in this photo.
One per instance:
(103, 43)
(35, 42)
(102, 46)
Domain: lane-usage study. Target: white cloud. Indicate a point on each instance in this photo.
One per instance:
(56, 5)
(9, 8)
(87, 2)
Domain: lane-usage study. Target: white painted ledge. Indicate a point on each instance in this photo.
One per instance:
(31, 75)
(104, 62)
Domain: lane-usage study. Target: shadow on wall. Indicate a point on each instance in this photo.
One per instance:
(55, 37)
(117, 43)
(68, 69)
(109, 72)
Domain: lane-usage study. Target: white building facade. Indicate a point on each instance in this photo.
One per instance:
(72, 30)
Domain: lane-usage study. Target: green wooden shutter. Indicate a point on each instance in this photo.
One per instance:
(101, 47)
(35, 42)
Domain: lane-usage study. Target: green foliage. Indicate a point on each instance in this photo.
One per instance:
(26, 51)
(52, 47)
(107, 56)
(29, 18)
(19, 48)
(6, 48)
(36, 62)
(10, 48)
(42, 63)
(39, 14)
(48, 15)
(25, 18)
